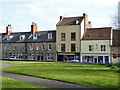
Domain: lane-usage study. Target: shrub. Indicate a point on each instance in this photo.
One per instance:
(109, 65)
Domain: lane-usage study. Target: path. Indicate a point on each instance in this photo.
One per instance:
(40, 81)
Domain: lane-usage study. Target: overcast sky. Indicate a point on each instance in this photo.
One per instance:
(21, 13)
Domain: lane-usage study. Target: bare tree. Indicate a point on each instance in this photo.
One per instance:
(116, 17)
(119, 14)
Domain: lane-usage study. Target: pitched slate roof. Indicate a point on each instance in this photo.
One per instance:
(70, 21)
(116, 38)
(97, 34)
(42, 36)
(15, 37)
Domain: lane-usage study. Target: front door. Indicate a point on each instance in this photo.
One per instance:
(42, 57)
(38, 57)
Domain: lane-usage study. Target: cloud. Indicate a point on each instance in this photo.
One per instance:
(100, 22)
(46, 12)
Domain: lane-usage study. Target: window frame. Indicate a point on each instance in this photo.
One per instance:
(49, 47)
(73, 50)
(43, 47)
(49, 35)
(37, 47)
(103, 48)
(34, 36)
(62, 36)
(31, 47)
(62, 50)
(91, 49)
(5, 47)
(73, 37)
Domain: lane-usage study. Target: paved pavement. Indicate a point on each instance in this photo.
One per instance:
(40, 81)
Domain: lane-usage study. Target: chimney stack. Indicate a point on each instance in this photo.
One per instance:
(33, 28)
(85, 16)
(61, 17)
(8, 29)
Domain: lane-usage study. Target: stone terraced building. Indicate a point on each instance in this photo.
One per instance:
(73, 39)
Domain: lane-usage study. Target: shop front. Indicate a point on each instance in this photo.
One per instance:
(95, 58)
(68, 56)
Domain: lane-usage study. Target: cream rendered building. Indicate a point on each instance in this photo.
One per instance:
(69, 32)
(96, 45)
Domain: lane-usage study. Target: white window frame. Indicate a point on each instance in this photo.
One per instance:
(92, 49)
(37, 47)
(43, 47)
(10, 47)
(49, 35)
(103, 48)
(22, 37)
(49, 56)
(31, 47)
(34, 36)
(49, 47)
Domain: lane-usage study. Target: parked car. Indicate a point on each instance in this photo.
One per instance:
(12, 58)
(73, 61)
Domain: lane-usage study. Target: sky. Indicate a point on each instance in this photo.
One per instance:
(46, 13)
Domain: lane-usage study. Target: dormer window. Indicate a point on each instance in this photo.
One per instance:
(50, 36)
(34, 36)
(22, 37)
(9, 37)
(77, 22)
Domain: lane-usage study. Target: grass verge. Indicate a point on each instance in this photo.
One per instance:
(12, 83)
(86, 74)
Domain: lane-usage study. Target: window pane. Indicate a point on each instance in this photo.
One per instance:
(103, 47)
(73, 36)
(72, 47)
(90, 47)
(62, 36)
(62, 47)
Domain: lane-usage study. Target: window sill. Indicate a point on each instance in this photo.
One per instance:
(102, 51)
(91, 51)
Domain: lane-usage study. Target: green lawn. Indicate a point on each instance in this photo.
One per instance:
(12, 83)
(86, 74)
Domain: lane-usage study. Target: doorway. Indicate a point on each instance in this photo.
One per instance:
(100, 59)
(42, 57)
(38, 57)
(95, 60)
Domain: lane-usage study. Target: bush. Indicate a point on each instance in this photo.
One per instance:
(118, 71)
(109, 65)
(118, 65)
